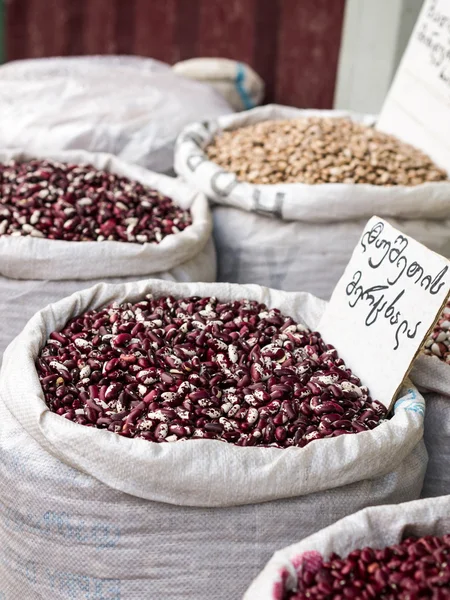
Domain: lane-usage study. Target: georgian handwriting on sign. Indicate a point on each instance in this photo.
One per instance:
(382, 303)
(383, 307)
(377, 302)
(434, 34)
(417, 106)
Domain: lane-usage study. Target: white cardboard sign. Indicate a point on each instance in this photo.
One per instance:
(417, 107)
(391, 294)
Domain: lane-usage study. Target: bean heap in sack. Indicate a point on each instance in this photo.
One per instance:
(417, 567)
(438, 342)
(77, 219)
(167, 370)
(78, 203)
(291, 191)
(317, 150)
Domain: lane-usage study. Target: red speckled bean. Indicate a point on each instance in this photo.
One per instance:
(237, 372)
(59, 201)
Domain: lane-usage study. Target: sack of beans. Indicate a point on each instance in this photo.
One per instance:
(131, 107)
(73, 219)
(431, 373)
(292, 190)
(393, 552)
(159, 439)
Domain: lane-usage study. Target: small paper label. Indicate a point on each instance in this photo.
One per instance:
(417, 107)
(382, 309)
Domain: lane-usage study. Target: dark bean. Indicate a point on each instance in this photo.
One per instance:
(183, 377)
(414, 568)
(100, 206)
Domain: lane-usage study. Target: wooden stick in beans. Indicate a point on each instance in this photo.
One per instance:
(316, 150)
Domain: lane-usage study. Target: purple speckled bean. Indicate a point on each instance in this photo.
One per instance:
(58, 201)
(171, 369)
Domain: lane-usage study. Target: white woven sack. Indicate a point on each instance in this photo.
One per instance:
(131, 107)
(376, 527)
(36, 271)
(299, 236)
(432, 377)
(242, 87)
(196, 519)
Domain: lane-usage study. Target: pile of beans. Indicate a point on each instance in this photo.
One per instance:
(438, 344)
(58, 201)
(320, 150)
(166, 370)
(416, 568)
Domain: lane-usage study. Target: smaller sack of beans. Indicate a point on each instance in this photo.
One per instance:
(169, 422)
(242, 87)
(72, 219)
(129, 106)
(431, 373)
(292, 190)
(394, 552)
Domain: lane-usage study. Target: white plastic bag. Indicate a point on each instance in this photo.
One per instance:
(432, 376)
(376, 527)
(294, 235)
(194, 519)
(131, 107)
(237, 82)
(37, 271)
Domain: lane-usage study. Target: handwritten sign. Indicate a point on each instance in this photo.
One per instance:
(417, 107)
(392, 292)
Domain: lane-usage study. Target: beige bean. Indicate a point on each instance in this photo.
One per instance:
(320, 150)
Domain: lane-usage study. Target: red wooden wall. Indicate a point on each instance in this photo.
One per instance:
(292, 44)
